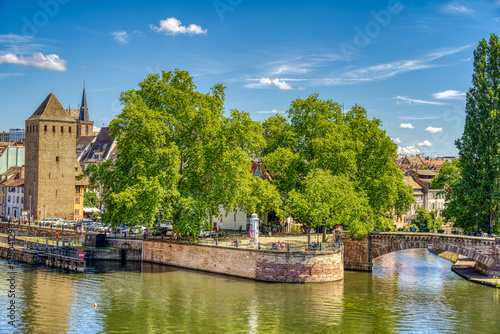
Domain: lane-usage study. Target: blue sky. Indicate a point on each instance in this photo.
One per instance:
(408, 63)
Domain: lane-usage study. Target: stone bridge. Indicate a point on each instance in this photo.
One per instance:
(359, 254)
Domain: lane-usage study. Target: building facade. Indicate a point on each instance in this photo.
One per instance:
(6, 178)
(50, 161)
(4, 137)
(11, 154)
(16, 135)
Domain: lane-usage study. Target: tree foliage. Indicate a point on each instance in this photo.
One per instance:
(90, 199)
(477, 187)
(427, 220)
(179, 158)
(319, 136)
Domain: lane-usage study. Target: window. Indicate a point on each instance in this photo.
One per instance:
(97, 147)
(77, 212)
(22, 200)
(62, 128)
(17, 200)
(77, 200)
(69, 129)
(57, 159)
(87, 130)
(103, 146)
(8, 199)
(53, 128)
(45, 128)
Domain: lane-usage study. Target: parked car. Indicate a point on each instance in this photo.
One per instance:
(205, 233)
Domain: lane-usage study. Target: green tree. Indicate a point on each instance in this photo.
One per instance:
(319, 135)
(179, 158)
(327, 200)
(427, 220)
(477, 189)
(90, 199)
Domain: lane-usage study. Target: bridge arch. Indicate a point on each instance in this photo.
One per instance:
(478, 249)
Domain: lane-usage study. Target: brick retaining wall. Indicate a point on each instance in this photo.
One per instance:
(271, 266)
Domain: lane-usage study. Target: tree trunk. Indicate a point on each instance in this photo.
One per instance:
(308, 235)
(324, 233)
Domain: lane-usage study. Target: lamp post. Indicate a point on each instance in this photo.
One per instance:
(476, 222)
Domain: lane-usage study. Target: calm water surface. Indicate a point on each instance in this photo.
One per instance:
(410, 291)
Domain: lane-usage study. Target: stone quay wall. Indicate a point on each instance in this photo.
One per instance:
(262, 265)
(34, 230)
(19, 255)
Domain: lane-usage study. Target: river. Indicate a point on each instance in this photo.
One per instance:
(411, 291)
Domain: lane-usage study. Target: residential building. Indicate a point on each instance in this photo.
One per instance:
(11, 154)
(97, 150)
(239, 219)
(7, 177)
(14, 195)
(80, 184)
(434, 198)
(50, 161)
(412, 160)
(4, 137)
(418, 194)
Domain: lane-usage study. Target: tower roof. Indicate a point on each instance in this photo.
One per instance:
(84, 110)
(51, 109)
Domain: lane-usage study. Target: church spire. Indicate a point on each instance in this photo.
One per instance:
(84, 110)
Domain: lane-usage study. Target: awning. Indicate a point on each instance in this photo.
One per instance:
(91, 210)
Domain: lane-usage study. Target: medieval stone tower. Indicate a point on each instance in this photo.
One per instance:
(50, 162)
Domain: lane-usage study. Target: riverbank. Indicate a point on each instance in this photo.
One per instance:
(465, 267)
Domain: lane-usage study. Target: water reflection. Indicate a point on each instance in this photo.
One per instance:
(408, 291)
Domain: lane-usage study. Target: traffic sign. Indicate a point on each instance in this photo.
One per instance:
(81, 253)
(429, 245)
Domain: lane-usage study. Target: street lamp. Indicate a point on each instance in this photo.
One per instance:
(476, 222)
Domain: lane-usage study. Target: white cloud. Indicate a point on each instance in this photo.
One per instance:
(274, 111)
(449, 95)
(290, 69)
(388, 70)
(9, 75)
(50, 62)
(397, 140)
(408, 150)
(267, 82)
(418, 101)
(419, 118)
(120, 36)
(457, 8)
(96, 129)
(406, 126)
(173, 26)
(425, 143)
(433, 130)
